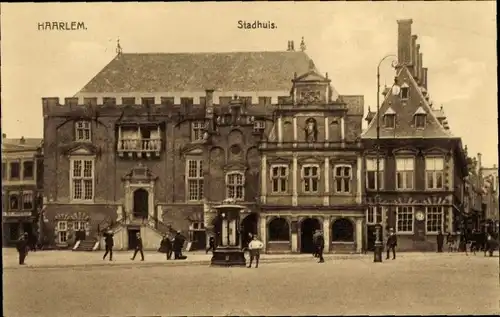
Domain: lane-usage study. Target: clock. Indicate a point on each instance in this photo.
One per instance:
(420, 216)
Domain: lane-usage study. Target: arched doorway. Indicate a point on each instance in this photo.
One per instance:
(342, 230)
(141, 203)
(248, 227)
(307, 229)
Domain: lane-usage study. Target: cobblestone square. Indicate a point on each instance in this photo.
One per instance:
(412, 284)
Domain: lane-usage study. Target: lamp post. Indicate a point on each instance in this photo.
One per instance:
(377, 256)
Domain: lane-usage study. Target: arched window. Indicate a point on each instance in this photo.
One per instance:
(279, 230)
(235, 186)
(342, 230)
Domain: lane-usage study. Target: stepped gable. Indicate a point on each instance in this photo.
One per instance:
(188, 72)
(405, 110)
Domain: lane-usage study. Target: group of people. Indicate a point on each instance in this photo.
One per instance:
(167, 246)
(473, 242)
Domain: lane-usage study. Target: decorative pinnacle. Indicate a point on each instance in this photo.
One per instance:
(302, 45)
(118, 47)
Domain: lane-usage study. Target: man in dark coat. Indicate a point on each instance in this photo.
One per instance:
(392, 243)
(440, 241)
(316, 234)
(109, 242)
(22, 248)
(211, 244)
(320, 246)
(138, 247)
(166, 246)
(178, 244)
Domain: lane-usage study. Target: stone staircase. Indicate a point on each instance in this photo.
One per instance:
(86, 245)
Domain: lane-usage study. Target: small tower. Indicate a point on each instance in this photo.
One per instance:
(302, 45)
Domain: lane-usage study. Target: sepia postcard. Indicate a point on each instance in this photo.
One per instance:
(249, 159)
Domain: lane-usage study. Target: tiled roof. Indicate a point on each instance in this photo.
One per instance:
(405, 111)
(185, 72)
(14, 145)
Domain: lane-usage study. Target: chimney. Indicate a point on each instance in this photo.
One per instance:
(289, 48)
(424, 77)
(420, 61)
(417, 65)
(404, 41)
(292, 46)
(209, 103)
(414, 55)
(22, 140)
(479, 161)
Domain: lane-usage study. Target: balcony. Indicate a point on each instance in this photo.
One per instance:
(139, 147)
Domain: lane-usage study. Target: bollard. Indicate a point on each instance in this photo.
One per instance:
(377, 254)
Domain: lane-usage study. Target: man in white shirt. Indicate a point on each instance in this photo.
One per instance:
(254, 247)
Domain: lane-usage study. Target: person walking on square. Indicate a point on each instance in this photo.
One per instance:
(449, 242)
(254, 248)
(392, 243)
(178, 244)
(211, 244)
(166, 246)
(22, 248)
(138, 247)
(315, 236)
(440, 241)
(320, 246)
(109, 242)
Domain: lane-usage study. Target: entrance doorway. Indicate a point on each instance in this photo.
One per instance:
(132, 237)
(14, 231)
(141, 203)
(248, 227)
(307, 228)
(370, 238)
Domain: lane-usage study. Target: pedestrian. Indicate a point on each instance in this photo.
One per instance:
(166, 246)
(22, 248)
(490, 245)
(211, 244)
(392, 243)
(109, 242)
(315, 243)
(138, 247)
(178, 244)
(449, 242)
(320, 246)
(254, 248)
(440, 241)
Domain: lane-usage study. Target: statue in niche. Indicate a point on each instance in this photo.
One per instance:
(311, 130)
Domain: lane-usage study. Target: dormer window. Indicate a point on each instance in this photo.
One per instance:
(390, 118)
(419, 117)
(405, 91)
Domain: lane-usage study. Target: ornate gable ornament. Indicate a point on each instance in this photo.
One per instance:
(80, 148)
(235, 167)
(140, 173)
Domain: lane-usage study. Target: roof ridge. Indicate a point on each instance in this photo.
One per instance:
(227, 52)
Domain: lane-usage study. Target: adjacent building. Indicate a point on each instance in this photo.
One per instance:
(422, 164)
(22, 180)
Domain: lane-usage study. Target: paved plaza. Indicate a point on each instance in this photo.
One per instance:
(420, 283)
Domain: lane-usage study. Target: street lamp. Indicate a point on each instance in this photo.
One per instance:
(377, 256)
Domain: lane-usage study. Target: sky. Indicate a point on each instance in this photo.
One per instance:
(345, 39)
